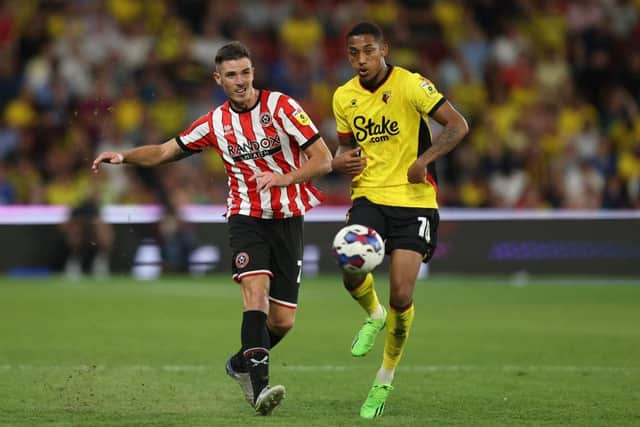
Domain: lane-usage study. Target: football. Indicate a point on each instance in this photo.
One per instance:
(358, 249)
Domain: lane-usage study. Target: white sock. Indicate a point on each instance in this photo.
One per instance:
(378, 313)
(384, 376)
(100, 265)
(73, 268)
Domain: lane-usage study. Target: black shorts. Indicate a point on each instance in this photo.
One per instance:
(414, 229)
(272, 247)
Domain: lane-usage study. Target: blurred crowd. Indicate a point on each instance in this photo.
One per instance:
(550, 89)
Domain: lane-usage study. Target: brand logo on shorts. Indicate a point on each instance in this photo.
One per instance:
(242, 259)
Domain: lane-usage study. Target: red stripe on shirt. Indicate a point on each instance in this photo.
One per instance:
(200, 120)
(433, 183)
(212, 132)
(306, 131)
(247, 125)
(283, 104)
(316, 193)
(254, 198)
(282, 162)
(203, 140)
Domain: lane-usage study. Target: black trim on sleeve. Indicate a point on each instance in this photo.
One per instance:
(310, 141)
(185, 148)
(438, 105)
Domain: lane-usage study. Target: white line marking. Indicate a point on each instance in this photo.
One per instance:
(126, 214)
(337, 368)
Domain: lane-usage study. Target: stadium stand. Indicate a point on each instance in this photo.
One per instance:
(551, 90)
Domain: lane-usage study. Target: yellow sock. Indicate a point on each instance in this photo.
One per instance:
(398, 327)
(366, 295)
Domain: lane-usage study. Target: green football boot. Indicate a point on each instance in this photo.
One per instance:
(366, 337)
(373, 406)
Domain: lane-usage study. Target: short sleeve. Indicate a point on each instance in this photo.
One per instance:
(296, 122)
(342, 123)
(197, 136)
(423, 94)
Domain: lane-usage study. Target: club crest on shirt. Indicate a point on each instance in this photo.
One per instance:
(386, 96)
(354, 103)
(242, 260)
(227, 129)
(301, 117)
(265, 119)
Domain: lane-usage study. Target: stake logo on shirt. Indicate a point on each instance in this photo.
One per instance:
(368, 130)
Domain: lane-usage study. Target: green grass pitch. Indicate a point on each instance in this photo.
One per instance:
(482, 352)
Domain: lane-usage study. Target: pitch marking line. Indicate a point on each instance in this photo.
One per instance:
(339, 368)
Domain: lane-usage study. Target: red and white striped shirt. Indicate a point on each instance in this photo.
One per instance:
(270, 137)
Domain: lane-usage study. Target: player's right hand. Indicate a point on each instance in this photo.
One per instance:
(107, 157)
(350, 162)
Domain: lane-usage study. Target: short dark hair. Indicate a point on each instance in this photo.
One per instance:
(231, 51)
(364, 28)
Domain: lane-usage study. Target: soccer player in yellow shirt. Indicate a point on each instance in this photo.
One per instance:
(386, 146)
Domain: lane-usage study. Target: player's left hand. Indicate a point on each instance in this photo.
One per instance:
(417, 173)
(350, 162)
(266, 180)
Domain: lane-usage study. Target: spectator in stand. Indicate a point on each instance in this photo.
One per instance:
(536, 75)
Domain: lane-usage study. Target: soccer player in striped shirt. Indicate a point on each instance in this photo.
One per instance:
(385, 144)
(271, 151)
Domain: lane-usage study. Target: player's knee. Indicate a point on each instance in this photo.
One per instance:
(352, 281)
(401, 300)
(281, 326)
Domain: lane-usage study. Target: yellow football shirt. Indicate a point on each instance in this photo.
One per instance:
(390, 124)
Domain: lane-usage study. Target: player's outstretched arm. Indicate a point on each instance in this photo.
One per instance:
(318, 163)
(147, 155)
(455, 128)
